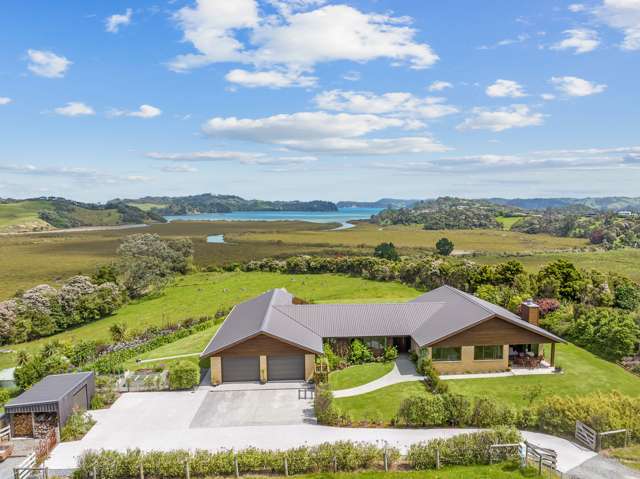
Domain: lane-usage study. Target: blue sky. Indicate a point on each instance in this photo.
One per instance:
(316, 99)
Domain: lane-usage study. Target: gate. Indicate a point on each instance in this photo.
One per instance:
(541, 457)
(29, 470)
(587, 436)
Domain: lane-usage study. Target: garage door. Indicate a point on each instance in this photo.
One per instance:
(281, 368)
(241, 369)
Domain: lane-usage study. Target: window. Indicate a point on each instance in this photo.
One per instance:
(487, 353)
(446, 354)
(375, 342)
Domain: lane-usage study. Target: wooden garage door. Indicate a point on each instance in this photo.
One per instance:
(281, 368)
(242, 368)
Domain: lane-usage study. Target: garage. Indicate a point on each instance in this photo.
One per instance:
(284, 368)
(241, 368)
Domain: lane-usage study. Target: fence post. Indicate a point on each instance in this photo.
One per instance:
(286, 466)
(235, 464)
(94, 472)
(540, 465)
(187, 471)
(386, 459)
(141, 470)
(437, 458)
(335, 464)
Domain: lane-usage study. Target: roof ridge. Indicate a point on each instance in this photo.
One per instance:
(277, 307)
(265, 319)
(468, 297)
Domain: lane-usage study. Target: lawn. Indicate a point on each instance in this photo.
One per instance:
(584, 373)
(370, 235)
(508, 221)
(202, 294)
(495, 471)
(357, 375)
(629, 456)
(381, 404)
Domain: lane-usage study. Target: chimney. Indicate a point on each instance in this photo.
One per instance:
(530, 312)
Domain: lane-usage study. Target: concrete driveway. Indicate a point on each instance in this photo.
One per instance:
(254, 407)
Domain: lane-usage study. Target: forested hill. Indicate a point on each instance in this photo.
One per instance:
(381, 203)
(47, 213)
(208, 203)
(449, 213)
(607, 203)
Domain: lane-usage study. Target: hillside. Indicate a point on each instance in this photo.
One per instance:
(607, 203)
(381, 203)
(208, 203)
(43, 214)
(449, 213)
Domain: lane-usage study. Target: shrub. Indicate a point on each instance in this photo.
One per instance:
(390, 353)
(333, 360)
(460, 450)
(422, 411)
(489, 413)
(78, 424)
(360, 353)
(386, 251)
(457, 409)
(325, 409)
(444, 246)
(118, 332)
(183, 375)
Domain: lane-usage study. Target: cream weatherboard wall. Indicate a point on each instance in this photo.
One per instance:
(468, 364)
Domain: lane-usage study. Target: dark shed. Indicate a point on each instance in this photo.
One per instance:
(50, 402)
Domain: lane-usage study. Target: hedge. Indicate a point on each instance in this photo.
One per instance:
(183, 375)
(348, 456)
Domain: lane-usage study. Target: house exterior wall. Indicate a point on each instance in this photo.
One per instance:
(469, 365)
(309, 366)
(262, 345)
(216, 370)
(493, 331)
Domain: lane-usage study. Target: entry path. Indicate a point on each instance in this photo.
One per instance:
(403, 371)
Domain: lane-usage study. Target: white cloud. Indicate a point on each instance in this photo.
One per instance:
(352, 75)
(114, 22)
(75, 108)
(580, 40)
(439, 85)
(5, 100)
(270, 79)
(523, 37)
(514, 116)
(505, 88)
(179, 169)
(145, 112)
(294, 40)
(623, 15)
(576, 7)
(583, 159)
(321, 132)
(66, 172)
(574, 86)
(395, 103)
(548, 96)
(47, 64)
(213, 155)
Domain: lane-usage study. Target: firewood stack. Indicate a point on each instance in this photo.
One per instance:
(22, 425)
(44, 422)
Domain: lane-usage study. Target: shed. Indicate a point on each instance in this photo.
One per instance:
(49, 403)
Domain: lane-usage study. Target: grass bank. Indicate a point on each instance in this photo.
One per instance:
(358, 375)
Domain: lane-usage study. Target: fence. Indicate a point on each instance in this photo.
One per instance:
(541, 457)
(593, 439)
(142, 381)
(5, 433)
(28, 469)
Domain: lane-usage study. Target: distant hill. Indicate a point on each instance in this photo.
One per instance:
(381, 203)
(607, 203)
(46, 213)
(208, 203)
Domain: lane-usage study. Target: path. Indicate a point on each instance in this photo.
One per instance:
(599, 467)
(403, 371)
(166, 358)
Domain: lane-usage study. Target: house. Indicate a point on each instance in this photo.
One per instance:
(274, 337)
(49, 403)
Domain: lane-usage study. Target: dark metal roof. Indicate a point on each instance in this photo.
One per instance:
(51, 389)
(260, 315)
(429, 318)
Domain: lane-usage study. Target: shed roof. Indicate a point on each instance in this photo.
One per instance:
(51, 389)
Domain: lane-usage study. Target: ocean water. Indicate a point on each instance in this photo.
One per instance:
(343, 215)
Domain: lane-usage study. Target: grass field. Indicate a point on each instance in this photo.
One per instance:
(495, 471)
(357, 375)
(508, 221)
(202, 294)
(21, 213)
(370, 235)
(629, 456)
(623, 261)
(583, 373)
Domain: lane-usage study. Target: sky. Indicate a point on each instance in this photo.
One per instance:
(319, 99)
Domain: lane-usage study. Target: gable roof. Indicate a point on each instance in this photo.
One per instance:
(259, 315)
(429, 318)
(460, 312)
(51, 389)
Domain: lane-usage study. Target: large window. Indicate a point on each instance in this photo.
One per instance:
(487, 353)
(375, 342)
(446, 354)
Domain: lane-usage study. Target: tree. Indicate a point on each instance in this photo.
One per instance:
(444, 246)
(386, 251)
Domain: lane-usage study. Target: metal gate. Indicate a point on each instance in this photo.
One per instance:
(245, 368)
(283, 368)
(587, 436)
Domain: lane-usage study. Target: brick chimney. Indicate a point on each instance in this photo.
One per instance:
(530, 312)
